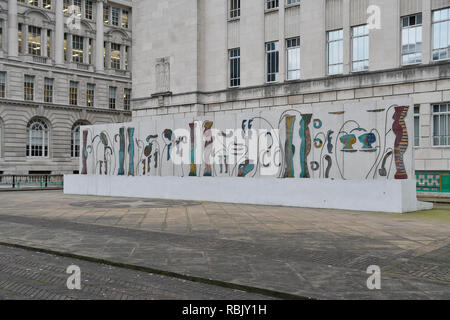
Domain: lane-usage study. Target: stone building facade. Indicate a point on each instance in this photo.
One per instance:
(220, 57)
(62, 64)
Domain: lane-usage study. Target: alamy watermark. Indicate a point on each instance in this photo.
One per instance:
(74, 280)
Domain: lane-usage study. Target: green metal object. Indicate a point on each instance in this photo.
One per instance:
(432, 181)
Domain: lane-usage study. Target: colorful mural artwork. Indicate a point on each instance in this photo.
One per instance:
(339, 142)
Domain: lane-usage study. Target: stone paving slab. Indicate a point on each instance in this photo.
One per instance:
(308, 252)
(27, 275)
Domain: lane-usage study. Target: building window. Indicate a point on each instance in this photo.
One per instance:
(75, 142)
(115, 16)
(88, 9)
(441, 32)
(65, 47)
(106, 14)
(293, 58)
(19, 37)
(289, 2)
(126, 58)
(47, 4)
(2, 84)
(235, 8)
(90, 95)
(115, 56)
(112, 97)
(235, 67)
(73, 94)
(49, 43)
(77, 49)
(66, 5)
(127, 99)
(441, 125)
(335, 52)
(90, 51)
(48, 90)
(33, 3)
(412, 39)
(77, 3)
(34, 40)
(28, 88)
(273, 59)
(360, 48)
(37, 138)
(271, 4)
(416, 126)
(1, 33)
(125, 21)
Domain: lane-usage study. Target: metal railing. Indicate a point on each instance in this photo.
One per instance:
(42, 181)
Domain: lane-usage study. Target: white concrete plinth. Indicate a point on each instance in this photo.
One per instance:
(375, 195)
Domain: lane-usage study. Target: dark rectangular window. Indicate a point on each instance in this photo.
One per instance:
(235, 67)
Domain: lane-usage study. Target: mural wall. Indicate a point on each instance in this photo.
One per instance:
(351, 141)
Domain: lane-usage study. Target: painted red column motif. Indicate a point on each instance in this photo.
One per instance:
(401, 141)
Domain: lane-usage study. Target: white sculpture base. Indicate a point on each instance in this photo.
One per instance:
(397, 196)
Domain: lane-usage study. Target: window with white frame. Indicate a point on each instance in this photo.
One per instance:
(441, 34)
(73, 93)
(416, 125)
(126, 99)
(77, 49)
(75, 139)
(360, 48)
(293, 58)
(48, 90)
(37, 138)
(34, 40)
(289, 2)
(271, 4)
(106, 14)
(272, 61)
(235, 8)
(441, 124)
(125, 19)
(2, 84)
(28, 88)
(335, 44)
(88, 12)
(77, 4)
(234, 56)
(47, 4)
(112, 97)
(115, 56)
(115, 13)
(412, 39)
(90, 95)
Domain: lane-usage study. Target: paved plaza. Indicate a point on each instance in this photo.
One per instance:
(322, 254)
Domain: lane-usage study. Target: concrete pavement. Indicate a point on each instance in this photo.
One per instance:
(306, 252)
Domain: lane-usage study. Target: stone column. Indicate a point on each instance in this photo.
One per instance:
(99, 37)
(44, 42)
(13, 48)
(427, 47)
(122, 56)
(85, 50)
(24, 38)
(59, 34)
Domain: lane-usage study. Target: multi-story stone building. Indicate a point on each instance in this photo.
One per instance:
(219, 57)
(62, 64)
